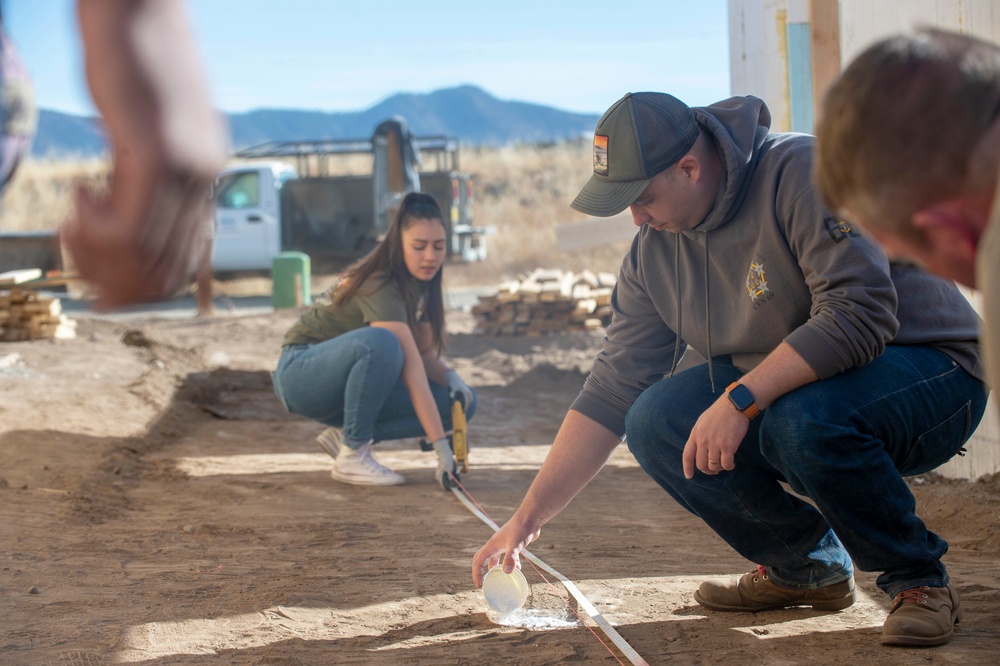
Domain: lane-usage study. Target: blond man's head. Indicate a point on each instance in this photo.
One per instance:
(898, 128)
(905, 128)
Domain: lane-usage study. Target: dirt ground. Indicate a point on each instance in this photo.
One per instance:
(157, 506)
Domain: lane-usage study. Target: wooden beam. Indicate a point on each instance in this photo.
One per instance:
(20, 275)
(824, 19)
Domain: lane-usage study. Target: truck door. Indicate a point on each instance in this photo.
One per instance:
(247, 231)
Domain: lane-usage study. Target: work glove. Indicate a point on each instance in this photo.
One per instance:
(458, 389)
(447, 470)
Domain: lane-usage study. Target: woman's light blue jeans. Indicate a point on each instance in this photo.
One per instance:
(353, 382)
(845, 442)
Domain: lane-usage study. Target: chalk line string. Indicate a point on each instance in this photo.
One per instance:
(591, 611)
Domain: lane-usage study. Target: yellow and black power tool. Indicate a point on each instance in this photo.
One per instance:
(459, 440)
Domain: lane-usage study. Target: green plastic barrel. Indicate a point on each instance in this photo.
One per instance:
(290, 278)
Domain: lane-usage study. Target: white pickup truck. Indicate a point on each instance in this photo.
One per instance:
(265, 206)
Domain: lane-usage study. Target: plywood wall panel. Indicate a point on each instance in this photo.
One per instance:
(758, 55)
(864, 21)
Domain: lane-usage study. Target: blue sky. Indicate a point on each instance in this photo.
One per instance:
(332, 55)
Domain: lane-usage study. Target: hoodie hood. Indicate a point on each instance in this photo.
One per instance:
(739, 126)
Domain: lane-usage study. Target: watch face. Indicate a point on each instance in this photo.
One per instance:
(741, 397)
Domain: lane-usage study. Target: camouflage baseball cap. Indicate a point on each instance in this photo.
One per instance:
(637, 138)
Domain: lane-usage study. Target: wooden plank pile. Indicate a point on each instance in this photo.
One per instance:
(547, 301)
(24, 315)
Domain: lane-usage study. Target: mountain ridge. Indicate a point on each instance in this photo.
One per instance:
(466, 112)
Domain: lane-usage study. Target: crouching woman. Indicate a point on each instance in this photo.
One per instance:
(365, 360)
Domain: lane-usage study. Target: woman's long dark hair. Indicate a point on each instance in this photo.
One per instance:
(387, 258)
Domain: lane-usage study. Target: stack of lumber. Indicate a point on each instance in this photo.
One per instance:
(547, 301)
(25, 315)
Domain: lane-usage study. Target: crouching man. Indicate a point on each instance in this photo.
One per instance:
(828, 368)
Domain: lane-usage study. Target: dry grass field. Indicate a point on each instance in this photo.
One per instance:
(522, 191)
(40, 195)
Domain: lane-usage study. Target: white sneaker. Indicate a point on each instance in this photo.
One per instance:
(359, 467)
(330, 441)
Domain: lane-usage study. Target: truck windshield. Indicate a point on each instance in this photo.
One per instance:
(238, 190)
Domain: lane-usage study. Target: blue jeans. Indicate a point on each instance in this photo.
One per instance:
(845, 442)
(353, 382)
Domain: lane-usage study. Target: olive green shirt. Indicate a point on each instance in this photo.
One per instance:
(375, 300)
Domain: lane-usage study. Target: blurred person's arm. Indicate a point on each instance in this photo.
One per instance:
(140, 241)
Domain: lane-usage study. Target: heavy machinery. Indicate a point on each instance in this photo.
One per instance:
(265, 206)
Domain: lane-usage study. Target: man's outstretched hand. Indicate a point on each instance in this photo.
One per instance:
(144, 256)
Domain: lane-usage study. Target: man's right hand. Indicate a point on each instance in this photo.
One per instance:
(508, 542)
(580, 449)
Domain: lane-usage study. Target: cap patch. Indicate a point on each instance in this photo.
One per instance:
(600, 155)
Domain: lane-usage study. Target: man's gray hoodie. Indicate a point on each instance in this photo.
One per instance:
(768, 264)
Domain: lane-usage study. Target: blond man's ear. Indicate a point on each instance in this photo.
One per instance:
(949, 230)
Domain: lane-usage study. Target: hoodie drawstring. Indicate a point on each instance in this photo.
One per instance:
(708, 311)
(708, 321)
(677, 289)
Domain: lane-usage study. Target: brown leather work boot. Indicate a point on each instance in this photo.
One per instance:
(922, 616)
(756, 591)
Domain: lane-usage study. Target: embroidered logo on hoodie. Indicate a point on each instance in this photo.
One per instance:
(757, 283)
(838, 229)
